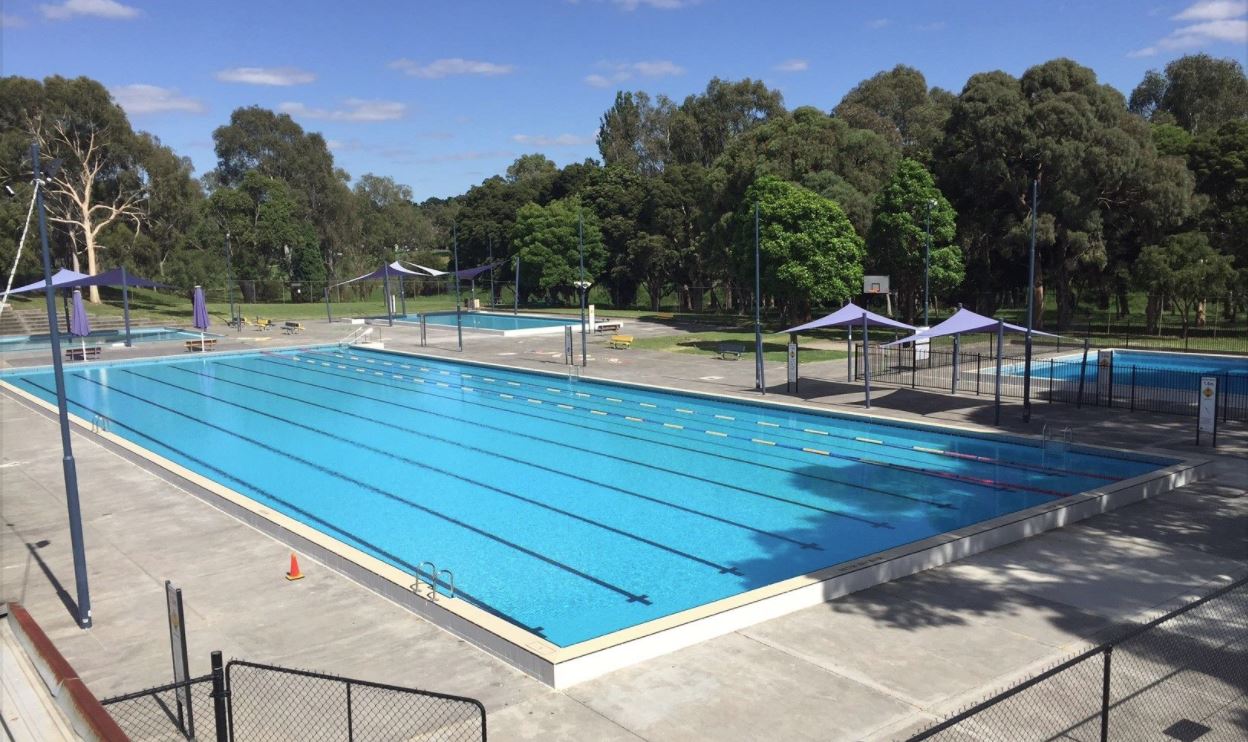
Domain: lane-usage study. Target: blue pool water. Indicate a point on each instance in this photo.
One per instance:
(102, 337)
(485, 321)
(1151, 369)
(570, 508)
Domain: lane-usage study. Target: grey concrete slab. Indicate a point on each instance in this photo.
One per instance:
(737, 688)
(553, 716)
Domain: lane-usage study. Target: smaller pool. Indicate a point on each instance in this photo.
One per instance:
(507, 324)
(14, 343)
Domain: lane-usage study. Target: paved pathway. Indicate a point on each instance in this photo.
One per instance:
(871, 665)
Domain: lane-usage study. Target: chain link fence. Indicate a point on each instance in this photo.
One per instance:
(1180, 676)
(168, 713)
(246, 701)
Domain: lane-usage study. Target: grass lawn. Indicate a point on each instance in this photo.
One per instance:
(775, 347)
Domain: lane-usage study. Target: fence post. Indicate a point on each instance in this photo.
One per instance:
(1133, 388)
(220, 699)
(1051, 381)
(914, 361)
(978, 358)
(1110, 401)
(350, 720)
(1109, 654)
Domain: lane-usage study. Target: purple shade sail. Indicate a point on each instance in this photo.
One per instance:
(63, 278)
(79, 324)
(201, 310)
(851, 315)
(965, 321)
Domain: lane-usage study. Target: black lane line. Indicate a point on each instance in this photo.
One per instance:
(788, 433)
(632, 597)
(418, 465)
(505, 457)
(911, 469)
(724, 485)
(863, 459)
(394, 558)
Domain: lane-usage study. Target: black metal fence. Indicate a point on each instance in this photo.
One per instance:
(1097, 381)
(1179, 676)
(247, 701)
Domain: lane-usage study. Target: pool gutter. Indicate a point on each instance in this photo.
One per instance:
(561, 667)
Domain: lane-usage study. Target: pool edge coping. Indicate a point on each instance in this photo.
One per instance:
(561, 667)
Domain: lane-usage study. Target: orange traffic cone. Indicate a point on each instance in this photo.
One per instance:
(294, 573)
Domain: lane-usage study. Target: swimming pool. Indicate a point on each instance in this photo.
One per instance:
(1151, 368)
(571, 509)
(12, 343)
(505, 324)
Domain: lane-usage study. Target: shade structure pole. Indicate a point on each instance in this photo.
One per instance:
(1000, 342)
(759, 380)
(866, 361)
(402, 298)
(62, 409)
(125, 303)
(1031, 297)
(385, 283)
(459, 317)
(956, 348)
(515, 299)
(329, 315)
(849, 353)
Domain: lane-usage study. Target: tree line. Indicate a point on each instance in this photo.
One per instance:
(1136, 193)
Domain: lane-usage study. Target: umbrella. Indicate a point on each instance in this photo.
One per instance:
(201, 314)
(79, 324)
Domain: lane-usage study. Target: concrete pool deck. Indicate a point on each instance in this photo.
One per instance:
(866, 666)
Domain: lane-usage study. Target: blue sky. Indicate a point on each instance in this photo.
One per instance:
(441, 95)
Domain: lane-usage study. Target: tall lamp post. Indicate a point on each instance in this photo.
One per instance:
(927, 260)
(229, 284)
(582, 285)
(758, 323)
(1031, 296)
(459, 317)
(62, 408)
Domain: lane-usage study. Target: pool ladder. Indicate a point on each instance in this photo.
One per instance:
(357, 335)
(1057, 441)
(574, 372)
(99, 424)
(432, 580)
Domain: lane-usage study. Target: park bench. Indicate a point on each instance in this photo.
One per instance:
(264, 324)
(665, 316)
(239, 322)
(621, 342)
(291, 328)
(200, 346)
(79, 353)
(609, 325)
(730, 351)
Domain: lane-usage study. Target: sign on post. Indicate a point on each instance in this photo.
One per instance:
(792, 368)
(568, 353)
(177, 646)
(1207, 406)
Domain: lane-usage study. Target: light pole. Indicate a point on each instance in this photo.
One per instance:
(582, 285)
(229, 284)
(1031, 295)
(758, 323)
(459, 319)
(492, 294)
(927, 259)
(62, 409)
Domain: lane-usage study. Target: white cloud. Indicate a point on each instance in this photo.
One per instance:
(95, 8)
(617, 72)
(879, 23)
(933, 26)
(1218, 21)
(631, 5)
(793, 65)
(451, 66)
(11, 21)
(465, 156)
(354, 110)
(280, 76)
(1213, 10)
(562, 140)
(140, 99)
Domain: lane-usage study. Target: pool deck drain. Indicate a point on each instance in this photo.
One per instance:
(867, 666)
